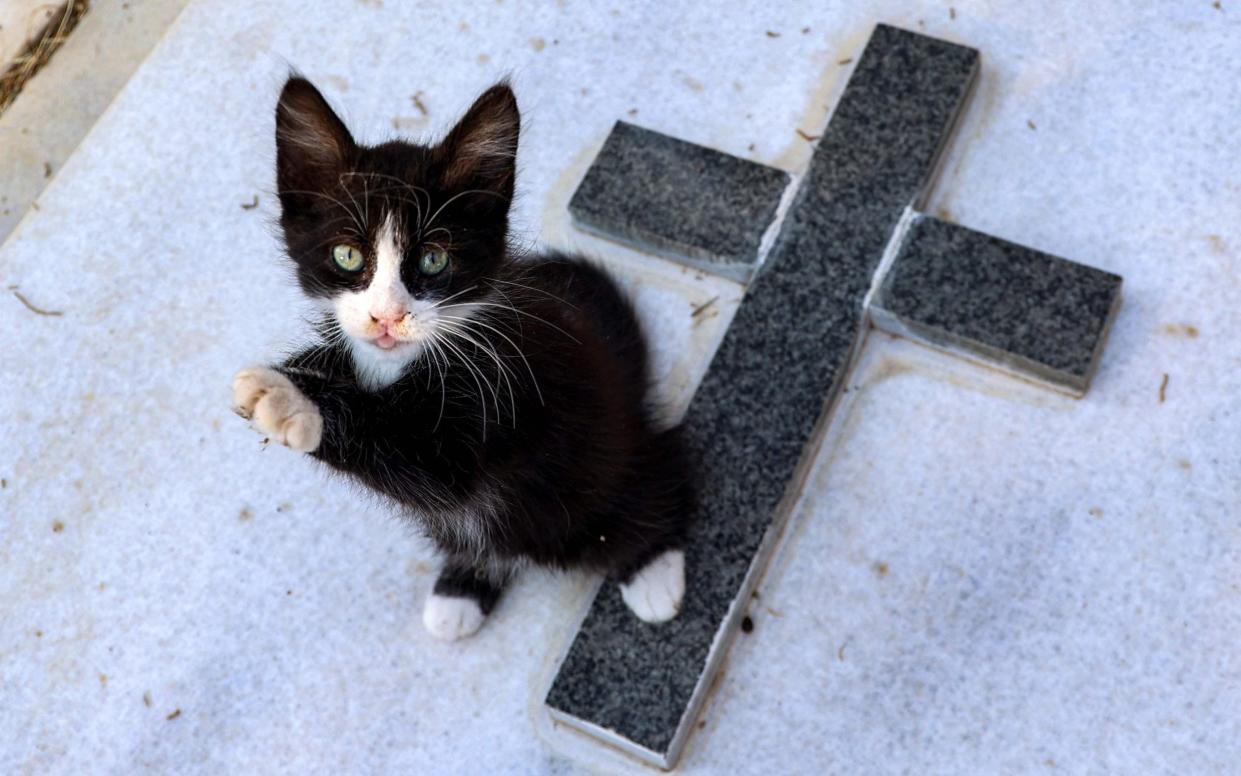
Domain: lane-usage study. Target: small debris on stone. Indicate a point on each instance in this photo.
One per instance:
(176, 713)
(284, 507)
(57, 526)
(845, 61)
(417, 100)
(1163, 389)
(538, 44)
(952, 12)
(146, 699)
(1030, 124)
(3, 483)
(700, 309)
(880, 568)
(252, 204)
(633, 111)
(1181, 329)
(31, 306)
(103, 680)
(47, 170)
(747, 625)
(805, 30)
(1096, 512)
(808, 138)
(840, 653)
(774, 612)
(702, 723)
(771, 34)
(245, 515)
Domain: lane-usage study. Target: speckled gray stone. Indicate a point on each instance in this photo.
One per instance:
(682, 201)
(757, 416)
(1027, 311)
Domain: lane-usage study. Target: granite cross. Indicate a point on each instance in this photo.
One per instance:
(851, 251)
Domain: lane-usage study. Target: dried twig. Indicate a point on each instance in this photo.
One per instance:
(702, 308)
(31, 306)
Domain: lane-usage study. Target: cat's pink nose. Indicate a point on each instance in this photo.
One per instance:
(388, 320)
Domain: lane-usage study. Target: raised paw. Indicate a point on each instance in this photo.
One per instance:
(654, 593)
(449, 618)
(274, 405)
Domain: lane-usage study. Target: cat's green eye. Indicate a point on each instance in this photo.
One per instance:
(347, 257)
(433, 261)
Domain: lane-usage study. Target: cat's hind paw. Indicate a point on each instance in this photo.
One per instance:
(449, 618)
(275, 406)
(654, 593)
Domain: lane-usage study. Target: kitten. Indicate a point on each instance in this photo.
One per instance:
(501, 402)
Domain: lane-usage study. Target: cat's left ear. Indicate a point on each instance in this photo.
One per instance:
(480, 153)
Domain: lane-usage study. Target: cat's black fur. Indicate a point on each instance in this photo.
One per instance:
(553, 458)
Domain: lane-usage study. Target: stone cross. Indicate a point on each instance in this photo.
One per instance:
(851, 251)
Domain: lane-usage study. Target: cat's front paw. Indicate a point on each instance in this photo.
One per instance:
(655, 591)
(275, 406)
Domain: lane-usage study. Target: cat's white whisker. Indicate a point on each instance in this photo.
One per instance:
(449, 201)
(516, 349)
(476, 375)
(453, 330)
(502, 370)
(518, 311)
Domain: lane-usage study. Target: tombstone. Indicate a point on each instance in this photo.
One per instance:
(852, 251)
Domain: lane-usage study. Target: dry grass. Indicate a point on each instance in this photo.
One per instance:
(40, 50)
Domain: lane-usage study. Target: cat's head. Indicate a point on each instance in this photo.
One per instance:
(399, 241)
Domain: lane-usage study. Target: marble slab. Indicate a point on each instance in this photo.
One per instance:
(981, 576)
(1032, 313)
(680, 200)
(760, 410)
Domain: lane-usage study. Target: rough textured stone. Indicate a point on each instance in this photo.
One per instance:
(1033, 313)
(756, 416)
(680, 200)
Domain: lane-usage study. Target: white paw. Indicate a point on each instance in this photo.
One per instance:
(654, 593)
(277, 408)
(449, 618)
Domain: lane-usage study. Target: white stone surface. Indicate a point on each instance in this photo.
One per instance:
(983, 577)
(63, 101)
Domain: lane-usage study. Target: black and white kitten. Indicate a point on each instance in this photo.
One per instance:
(501, 402)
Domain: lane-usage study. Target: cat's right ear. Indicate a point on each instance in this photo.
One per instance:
(313, 147)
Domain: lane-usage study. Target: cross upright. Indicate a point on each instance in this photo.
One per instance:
(852, 251)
